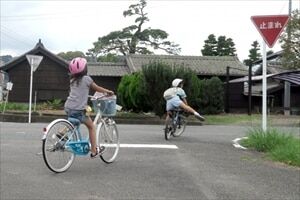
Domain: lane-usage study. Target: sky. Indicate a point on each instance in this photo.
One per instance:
(75, 25)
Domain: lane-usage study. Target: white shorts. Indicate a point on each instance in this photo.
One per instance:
(173, 103)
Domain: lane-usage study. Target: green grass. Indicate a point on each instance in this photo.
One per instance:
(278, 146)
(14, 106)
(225, 119)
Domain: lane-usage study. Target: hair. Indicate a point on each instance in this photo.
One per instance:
(76, 78)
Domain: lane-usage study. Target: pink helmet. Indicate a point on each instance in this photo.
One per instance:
(77, 65)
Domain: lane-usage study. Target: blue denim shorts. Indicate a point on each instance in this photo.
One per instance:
(77, 114)
(173, 103)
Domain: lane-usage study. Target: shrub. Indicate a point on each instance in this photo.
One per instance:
(144, 91)
(55, 104)
(132, 93)
(123, 92)
(158, 77)
(212, 96)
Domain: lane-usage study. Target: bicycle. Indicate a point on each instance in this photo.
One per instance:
(176, 124)
(62, 139)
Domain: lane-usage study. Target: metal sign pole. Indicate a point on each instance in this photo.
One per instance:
(34, 62)
(264, 89)
(30, 93)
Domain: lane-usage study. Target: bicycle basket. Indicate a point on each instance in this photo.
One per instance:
(106, 105)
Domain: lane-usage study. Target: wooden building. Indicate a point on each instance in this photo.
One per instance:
(51, 79)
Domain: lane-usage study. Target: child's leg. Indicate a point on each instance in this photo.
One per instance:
(187, 108)
(191, 110)
(92, 134)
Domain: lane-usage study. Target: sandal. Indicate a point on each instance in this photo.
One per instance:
(99, 151)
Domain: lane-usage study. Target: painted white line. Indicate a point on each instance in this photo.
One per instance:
(155, 146)
(236, 143)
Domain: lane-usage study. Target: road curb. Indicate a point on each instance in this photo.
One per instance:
(47, 118)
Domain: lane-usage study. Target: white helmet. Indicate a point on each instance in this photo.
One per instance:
(176, 82)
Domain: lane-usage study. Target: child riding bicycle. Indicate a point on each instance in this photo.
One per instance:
(176, 97)
(80, 85)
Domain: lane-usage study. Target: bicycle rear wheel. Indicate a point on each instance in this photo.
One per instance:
(168, 128)
(56, 156)
(108, 136)
(181, 125)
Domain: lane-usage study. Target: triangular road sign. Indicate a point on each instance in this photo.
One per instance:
(270, 26)
(34, 61)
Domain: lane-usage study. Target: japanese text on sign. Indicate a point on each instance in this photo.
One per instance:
(270, 25)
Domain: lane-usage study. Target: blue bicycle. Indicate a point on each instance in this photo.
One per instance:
(62, 139)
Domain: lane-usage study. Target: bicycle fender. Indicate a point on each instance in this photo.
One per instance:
(46, 129)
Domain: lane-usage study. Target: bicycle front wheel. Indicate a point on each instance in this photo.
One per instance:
(56, 156)
(181, 125)
(108, 137)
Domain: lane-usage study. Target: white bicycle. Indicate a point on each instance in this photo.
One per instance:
(62, 139)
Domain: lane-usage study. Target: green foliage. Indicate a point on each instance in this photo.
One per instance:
(158, 77)
(290, 40)
(71, 54)
(210, 46)
(203, 95)
(123, 92)
(134, 39)
(55, 104)
(144, 91)
(132, 94)
(289, 152)
(211, 96)
(108, 58)
(221, 47)
(279, 146)
(14, 106)
(265, 140)
(254, 54)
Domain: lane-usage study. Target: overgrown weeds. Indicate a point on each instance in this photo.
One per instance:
(278, 146)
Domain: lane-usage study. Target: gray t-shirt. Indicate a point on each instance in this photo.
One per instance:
(77, 99)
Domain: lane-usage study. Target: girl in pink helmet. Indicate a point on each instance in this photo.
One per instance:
(80, 84)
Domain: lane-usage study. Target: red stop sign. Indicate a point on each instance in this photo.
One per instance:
(270, 26)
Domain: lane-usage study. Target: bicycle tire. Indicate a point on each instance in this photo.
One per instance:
(168, 128)
(109, 138)
(55, 154)
(180, 127)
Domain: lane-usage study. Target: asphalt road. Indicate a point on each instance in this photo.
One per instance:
(205, 166)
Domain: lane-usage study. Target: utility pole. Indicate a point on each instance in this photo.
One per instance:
(287, 85)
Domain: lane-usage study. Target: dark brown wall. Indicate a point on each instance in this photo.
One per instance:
(295, 96)
(236, 98)
(107, 82)
(50, 81)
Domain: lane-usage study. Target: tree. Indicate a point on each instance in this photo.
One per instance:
(134, 39)
(254, 54)
(290, 40)
(210, 46)
(220, 47)
(71, 54)
(108, 58)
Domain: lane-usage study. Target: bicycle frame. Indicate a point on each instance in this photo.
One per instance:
(176, 123)
(62, 140)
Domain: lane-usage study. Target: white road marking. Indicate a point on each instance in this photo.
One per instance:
(236, 144)
(155, 146)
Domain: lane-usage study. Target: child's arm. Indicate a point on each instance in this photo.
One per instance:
(98, 88)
